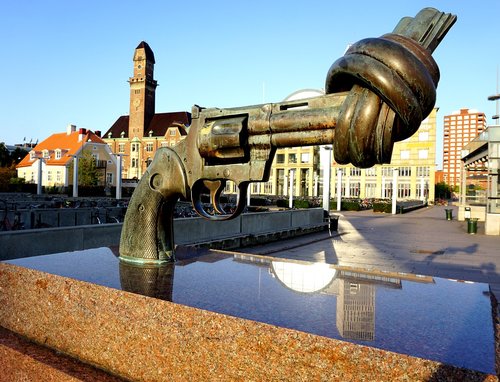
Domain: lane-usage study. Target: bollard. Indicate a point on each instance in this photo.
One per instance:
(472, 226)
(449, 214)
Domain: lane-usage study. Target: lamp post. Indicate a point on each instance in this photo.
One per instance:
(495, 97)
(326, 163)
(395, 173)
(39, 184)
(290, 202)
(75, 176)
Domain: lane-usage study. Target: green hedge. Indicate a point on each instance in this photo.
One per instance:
(283, 203)
(381, 206)
(350, 205)
(301, 203)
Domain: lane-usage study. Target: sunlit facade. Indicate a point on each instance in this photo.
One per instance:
(460, 128)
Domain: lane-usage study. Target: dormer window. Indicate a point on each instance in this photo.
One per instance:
(32, 155)
(46, 154)
(58, 154)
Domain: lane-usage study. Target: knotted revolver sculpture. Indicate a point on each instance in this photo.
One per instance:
(378, 93)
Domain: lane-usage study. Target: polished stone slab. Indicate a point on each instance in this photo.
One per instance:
(432, 318)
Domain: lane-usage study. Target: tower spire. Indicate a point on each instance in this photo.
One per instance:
(142, 91)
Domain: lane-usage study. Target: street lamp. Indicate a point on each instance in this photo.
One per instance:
(495, 97)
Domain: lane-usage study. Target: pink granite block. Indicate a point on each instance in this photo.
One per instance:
(146, 339)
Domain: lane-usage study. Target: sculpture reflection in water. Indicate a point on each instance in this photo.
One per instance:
(151, 281)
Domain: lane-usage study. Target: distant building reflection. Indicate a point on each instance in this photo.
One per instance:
(356, 310)
(355, 288)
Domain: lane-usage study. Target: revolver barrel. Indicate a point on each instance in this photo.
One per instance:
(230, 134)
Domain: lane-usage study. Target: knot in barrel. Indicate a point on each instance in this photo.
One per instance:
(392, 87)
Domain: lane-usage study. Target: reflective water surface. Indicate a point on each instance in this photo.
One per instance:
(433, 318)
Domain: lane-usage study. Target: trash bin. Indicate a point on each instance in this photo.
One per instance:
(449, 214)
(472, 226)
(334, 222)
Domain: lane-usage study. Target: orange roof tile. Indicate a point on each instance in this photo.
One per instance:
(67, 143)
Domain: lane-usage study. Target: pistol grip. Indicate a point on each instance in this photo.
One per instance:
(148, 229)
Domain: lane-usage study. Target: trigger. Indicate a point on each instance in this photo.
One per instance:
(216, 187)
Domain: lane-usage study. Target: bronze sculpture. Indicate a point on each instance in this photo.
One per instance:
(377, 93)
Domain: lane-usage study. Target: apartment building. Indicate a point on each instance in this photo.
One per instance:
(460, 127)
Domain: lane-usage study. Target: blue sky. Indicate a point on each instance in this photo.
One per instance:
(68, 62)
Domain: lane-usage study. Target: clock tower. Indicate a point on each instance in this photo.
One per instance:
(142, 91)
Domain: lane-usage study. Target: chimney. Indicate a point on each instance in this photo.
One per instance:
(98, 133)
(70, 129)
(81, 133)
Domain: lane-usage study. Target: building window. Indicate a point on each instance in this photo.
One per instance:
(46, 154)
(354, 189)
(134, 162)
(121, 147)
(423, 171)
(423, 136)
(109, 178)
(135, 147)
(280, 158)
(387, 171)
(370, 171)
(164, 144)
(423, 154)
(49, 176)
(58, 154)
(32, 155)
(404, 190)
(304, 158)
(404, 171)
(370, 189)
(149, 147)
(355, 171)
(405, 154)
(172, 132)
(292, 158)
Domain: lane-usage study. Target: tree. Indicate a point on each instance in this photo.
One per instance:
(442, 191)
(88, 175)
(18, 154)
(4, 156)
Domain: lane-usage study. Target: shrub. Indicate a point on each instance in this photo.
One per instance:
(301, 203)
(283, 203)
(382, 206)
(350, 205)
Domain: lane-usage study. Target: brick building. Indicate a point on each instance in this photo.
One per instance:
(460, 128)
(138, 135)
